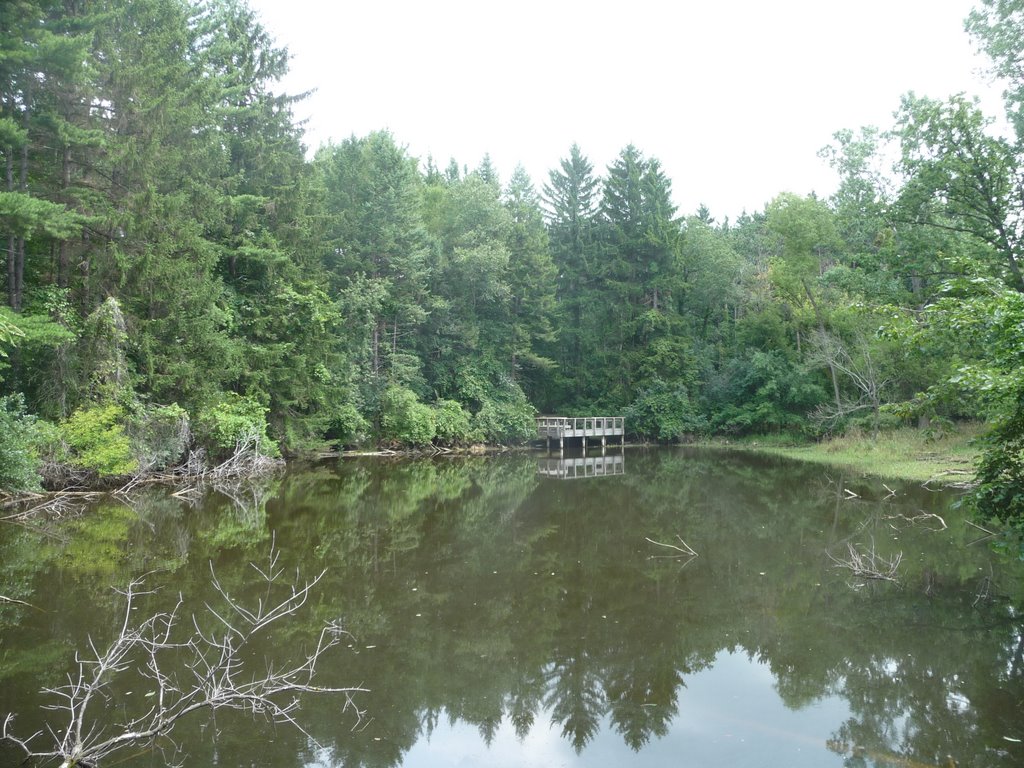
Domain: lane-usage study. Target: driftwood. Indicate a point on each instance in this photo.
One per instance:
(927, 519)
(684, 551)
(246, 461)
(868, 564)
(193, 662)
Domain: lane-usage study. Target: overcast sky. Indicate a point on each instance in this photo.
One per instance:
(735, 97)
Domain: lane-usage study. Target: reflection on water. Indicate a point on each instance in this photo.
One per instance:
(497, 616)
(582, 466)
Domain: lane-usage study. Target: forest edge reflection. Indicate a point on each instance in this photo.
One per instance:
(492, 595)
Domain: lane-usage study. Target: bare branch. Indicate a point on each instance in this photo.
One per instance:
(155, 649)
(868, 564)
(685, 549)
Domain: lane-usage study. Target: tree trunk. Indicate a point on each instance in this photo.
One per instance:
(11, 292)
(821, 328)
(63, 258)
(9, 157)
(375, 365)
(19, 275)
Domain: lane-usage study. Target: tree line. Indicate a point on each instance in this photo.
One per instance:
(179, 276)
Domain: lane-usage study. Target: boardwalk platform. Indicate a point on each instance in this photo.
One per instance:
(584, 428)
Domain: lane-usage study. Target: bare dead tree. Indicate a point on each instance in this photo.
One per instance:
(856, 363)
(191, 668)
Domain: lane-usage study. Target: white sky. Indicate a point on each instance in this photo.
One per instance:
(735, 97)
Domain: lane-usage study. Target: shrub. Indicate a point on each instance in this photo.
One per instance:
(233, 420)
(1000, 490)
(664, 411)
(96, 440)
(348, 427)
(18, 458)
(160, 435)
(404, 419)
(453, 423)
(764, 392)
(506, 420)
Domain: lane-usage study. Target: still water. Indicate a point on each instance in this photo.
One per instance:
(518, 611)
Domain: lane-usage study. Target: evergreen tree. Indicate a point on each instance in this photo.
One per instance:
(531, 283)
(641, 278)
(376, 239)
(570, 198)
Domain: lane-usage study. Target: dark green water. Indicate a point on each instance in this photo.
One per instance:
(502, 616)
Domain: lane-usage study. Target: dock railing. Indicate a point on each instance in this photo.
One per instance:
(580, 426)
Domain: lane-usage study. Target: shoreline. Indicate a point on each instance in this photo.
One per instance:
(906, 454)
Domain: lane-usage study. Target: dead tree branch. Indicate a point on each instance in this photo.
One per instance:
(195, 662)
(868, 564)
(684, 551)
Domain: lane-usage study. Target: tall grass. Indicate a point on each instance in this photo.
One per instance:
(944, 457)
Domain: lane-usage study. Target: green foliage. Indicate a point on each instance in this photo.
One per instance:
(664, 411)
(232, 421)
(26, 216)
(1000, 491)
(18, 456)
(96, 440)
(44, 352)
(159, 434)
(9, 332)
(452, 423)
(997, 27)
(348, 427)
(404, 419)
(962, 178)
(981, 323)
(105, 337)
(506, 419)
(763, 392)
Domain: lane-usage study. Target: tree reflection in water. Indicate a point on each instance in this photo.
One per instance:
(485, 595)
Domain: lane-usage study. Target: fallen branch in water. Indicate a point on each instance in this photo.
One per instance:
(192, 662)
(923, 518)
(686, 549)
(869, 564)
(15, 601)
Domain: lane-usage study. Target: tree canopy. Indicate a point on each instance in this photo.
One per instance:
(169, 245)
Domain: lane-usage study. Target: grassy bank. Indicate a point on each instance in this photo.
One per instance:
(907, 454)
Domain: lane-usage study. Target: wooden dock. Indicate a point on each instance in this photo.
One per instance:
(583, 428)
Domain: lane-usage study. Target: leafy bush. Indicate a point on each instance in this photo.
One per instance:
(404, 419)
(45, 362)
(506, 420)
(348, 427)
(764, 392)
(160, 435)
(453, 423)
(96, 440)
(18, 458)
(664, 411)
(1000, 491)
(232, 420)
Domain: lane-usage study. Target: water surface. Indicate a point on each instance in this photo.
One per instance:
(511, 611)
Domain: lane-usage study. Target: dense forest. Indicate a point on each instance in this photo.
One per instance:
(182, 281)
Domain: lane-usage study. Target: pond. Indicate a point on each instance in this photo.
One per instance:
(521, 611)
